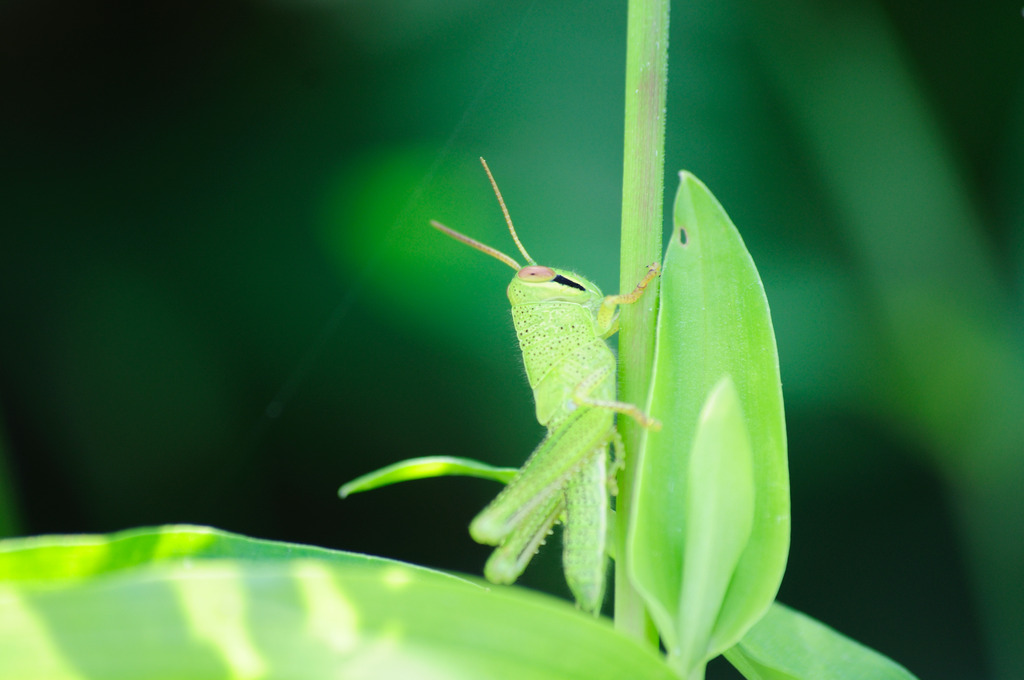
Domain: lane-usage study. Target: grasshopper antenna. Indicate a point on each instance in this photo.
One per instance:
(473, 243)
(501, 201)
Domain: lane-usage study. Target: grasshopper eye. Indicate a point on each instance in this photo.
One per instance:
(569, 282)
(536, 273)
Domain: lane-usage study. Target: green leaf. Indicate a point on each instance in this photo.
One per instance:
(788, 645)
(48, 559)
(425, 468)
(713, 322)
(719, 518)
(197, 603)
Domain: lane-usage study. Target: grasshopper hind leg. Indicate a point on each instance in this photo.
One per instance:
(586, 531)
(510, 558)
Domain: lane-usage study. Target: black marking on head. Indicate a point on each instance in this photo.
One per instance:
(568, 282)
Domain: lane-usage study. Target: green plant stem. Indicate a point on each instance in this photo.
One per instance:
(642, 204)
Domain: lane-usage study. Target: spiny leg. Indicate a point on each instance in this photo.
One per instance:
(510, 558)
(606, 314)
(581, 396)
(545, 473)
(586, 530)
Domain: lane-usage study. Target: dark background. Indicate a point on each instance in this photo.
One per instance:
(220, 299)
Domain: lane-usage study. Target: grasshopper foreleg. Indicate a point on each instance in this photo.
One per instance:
(607, 314)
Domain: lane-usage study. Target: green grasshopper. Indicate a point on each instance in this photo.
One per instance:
(561, 320)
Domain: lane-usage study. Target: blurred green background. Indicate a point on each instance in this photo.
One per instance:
(220, 299)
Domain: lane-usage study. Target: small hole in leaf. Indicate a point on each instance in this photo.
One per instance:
(682, 236)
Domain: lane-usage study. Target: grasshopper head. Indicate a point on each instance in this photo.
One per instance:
(537, 283)
(532, 283)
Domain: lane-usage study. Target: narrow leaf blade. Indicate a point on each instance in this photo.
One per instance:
(425, 468)
(788, 645)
